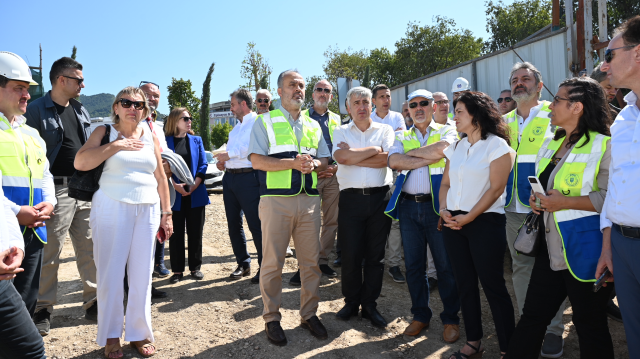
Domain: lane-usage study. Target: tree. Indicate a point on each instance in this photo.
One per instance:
(254, 67)
(204, 109)
(383, 69)
(347, 63)
(366, 80)
(220, 134)
(181, 95)
(509, 24)
(73, 52)
(308, 95)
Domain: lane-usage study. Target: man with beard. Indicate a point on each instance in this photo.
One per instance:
(611, 91)
(407, 116)
(529, 124)
(263, 101)
(288, 165)
(505, 102)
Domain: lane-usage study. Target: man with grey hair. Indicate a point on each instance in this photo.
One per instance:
(263, 101)
(441, 114)
(530, 125)
(505, 102)
(361, 149)
(288, 165)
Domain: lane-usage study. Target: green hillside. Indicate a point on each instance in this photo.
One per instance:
(98, 105)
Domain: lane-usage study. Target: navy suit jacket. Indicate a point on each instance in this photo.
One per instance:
(199, 164)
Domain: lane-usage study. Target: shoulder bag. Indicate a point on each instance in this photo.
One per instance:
(527, 242)
(84, 184)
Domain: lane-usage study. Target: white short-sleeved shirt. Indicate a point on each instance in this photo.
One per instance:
(393, 119)
(469, 168)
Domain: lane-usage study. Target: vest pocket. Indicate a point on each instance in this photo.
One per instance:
(279, 179)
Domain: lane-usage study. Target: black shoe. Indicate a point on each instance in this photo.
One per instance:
(396, 274)
(92, 312)
(256, 278)
(197, 275)
(327, 271)
(338, 262)
(349, 310)
(613, 311)
(433, 283)
(374, 316)
(315, 327)
(42, 320)
(295, 280)
(275, 334)
(175, 278)
(240, 272)
(157, 294)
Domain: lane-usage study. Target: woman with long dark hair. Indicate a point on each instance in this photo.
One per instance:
(472, 199)
(573, 167)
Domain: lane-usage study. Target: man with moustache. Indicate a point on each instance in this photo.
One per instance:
(263, 101)
(288, 165)
(441, 114)
(408, 121)
(529, 124)
(419, 153)
(506, 103)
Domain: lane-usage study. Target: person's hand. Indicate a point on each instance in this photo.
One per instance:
(220, 165)
(329, 172)
(606, 256)
(343, 146)
(193, 187)
(224, 156)
(180, 188)
(128, 144)
(166, 223)
(10, 261)
(45, 211)
(303, 163)
(448, 220)
(166, 168)
(552, 202)
(534, 205)
(27, 215)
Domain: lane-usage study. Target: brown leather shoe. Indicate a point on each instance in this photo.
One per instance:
(451, 333)
(315, 327)
(415, 328)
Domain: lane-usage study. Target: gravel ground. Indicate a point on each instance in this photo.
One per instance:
(217, 318)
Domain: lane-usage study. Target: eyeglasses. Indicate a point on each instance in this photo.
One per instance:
(424, 103)
(505, 99)
(608, 55)
(148, 82)
(442, 102)
(262, 100)
(138, 105)
(320, 89)
(80, 81)
(557, 99)
(186, 119)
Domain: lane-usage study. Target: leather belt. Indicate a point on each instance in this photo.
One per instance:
(61, 180)
(367, 191)
(239, 170)
(629, 232)
(418, 198)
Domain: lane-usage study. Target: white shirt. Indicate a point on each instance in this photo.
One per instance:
(419, 181)
(10, 235)
(393, 119)
(469, 169)
(622, 203)
(238, 144)
(158, 129)
(350, 176)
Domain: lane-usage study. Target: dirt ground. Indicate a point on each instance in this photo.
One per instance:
(218, 318)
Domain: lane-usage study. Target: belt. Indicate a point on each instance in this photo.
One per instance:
(418, 198)
(239, 170)
(61, 180)
(367, 191)
(629, 232)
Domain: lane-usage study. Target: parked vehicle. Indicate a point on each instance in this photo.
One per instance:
(213, 177)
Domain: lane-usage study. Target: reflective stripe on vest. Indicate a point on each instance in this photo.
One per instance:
(579, 230)
(22, 172)
(283, 143)
(527, 149)
(410, 141)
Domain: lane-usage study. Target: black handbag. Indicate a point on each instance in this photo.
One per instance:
(84, 184)
(528, 241)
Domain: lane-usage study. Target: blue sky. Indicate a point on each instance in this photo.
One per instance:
(121, 43)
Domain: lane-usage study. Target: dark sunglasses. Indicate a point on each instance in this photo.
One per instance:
(442, 102)
(186, 119)
(320, 89)
(80, 81)
(505, 99)
(148, 82)
(138, 105)
(608, 55)
(424, 103)
(261, 100)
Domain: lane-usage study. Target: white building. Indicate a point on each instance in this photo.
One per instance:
(220, 112)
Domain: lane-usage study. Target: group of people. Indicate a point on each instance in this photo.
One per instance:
(453, 186)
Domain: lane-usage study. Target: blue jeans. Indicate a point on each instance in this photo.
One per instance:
(626, 271)
(159, 256)
(19, 337)
(419, 227)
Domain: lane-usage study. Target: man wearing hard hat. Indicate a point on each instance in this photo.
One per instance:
(459, 86)
(26, 180)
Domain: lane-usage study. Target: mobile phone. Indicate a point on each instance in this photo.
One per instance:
(536, 185)
(603, 278)
(186, 188)
(161, 235)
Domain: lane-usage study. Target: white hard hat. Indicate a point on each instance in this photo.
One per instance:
(460, 84)
(14, 68)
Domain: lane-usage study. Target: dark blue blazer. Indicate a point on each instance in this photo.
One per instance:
(199, 164)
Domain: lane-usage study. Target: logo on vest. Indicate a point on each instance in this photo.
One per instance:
(538, 130)
(572, 180)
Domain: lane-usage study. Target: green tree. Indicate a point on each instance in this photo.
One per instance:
(383, 69)
(308, 95)
(74, 52)
(254, 67)
(220, 134)
(204, 109)
(181, 95)
(508, 24)
(346, 63)
(366, 80)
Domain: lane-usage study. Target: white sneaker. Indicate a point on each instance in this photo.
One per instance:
(289, 252)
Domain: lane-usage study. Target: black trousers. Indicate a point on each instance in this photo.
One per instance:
(194, 218)
(547, 291)
(27, 283)
(362, 233)
(19, 337)
(477, 252)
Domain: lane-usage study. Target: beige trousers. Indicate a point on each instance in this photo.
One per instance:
(283, 218)
(330, 194)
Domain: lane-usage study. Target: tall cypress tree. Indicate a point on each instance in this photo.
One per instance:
(204, 109)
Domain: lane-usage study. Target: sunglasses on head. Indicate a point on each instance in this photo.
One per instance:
(138, 105)
(442, 102)
(608, 55)
(148, 82)
(262, 100)
(80, 81)
(320, 89)
(424, 103)
(186, 119)
(505, 99)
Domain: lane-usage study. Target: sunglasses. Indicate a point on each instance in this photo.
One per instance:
(557, 99)
(262, 100)
(320, 89)
(186, 119)
(442, 102)
(80, 81)
(138, 105)
(422, 104)
(608, 55)
(505, 99)
(148, 82)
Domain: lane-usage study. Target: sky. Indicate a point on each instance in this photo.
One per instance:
(121, 43)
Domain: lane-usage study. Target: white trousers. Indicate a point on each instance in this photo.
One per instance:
(123, 235)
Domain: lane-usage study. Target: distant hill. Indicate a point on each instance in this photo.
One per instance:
(98, 105)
